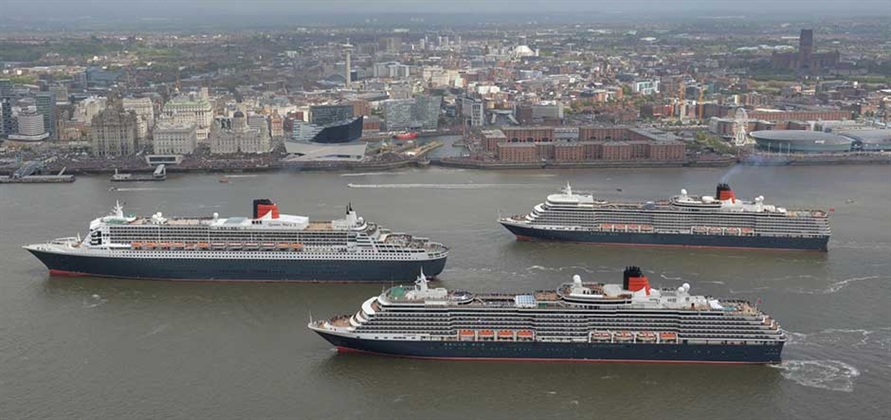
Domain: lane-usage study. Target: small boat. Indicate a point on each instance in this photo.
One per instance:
(406, 136)
(176, 245)
(149, 245)
(668, 336)
(646, 336)
(224, 179)
(487, 335)
(600, 336)
(624, 336)
(218, 245)
(524, 335)
(505, 335)
(202, 245)
(136, 245)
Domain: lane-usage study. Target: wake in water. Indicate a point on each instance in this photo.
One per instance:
(371, 174)
(242, 176)
(824, 374)
(838, 337)
(439, 186)
(560, 269)
(836, 286)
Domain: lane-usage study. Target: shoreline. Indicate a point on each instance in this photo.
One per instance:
(225, 167)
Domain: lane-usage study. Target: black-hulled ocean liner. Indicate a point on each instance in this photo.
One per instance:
(682, 220)
(628, 322)
(265, 247)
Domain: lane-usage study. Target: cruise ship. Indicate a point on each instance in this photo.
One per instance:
(720, 221)
(591, 322)
(268, 246)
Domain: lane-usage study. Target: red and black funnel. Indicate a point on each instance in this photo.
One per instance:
(725, 193)
(263, 206)
(634, 280)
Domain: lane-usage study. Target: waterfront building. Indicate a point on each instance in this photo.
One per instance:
(175, 137)
(145, 114)
(322, 115)
(234, 135)
(114, 131)
(46, 106)
(191, 108)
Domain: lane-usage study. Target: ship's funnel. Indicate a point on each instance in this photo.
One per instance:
(634, 280)
(724, 193)
(262, 206)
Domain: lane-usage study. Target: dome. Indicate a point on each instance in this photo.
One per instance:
(238, 114)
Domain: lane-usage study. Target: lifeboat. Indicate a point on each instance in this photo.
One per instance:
(524, 335)
(646, 228)
(646, 337)
(715, 231)
(297, 247)
(136, 245)
(606, 226)
(747, 230)
(699, 230)
(149, 245)
(632, 227)
(218, 245)
(267, 245)
(283, 246)
(487, 334)
(177, 245)
(623, 336)
(164, 245)
(234, 245)
(601, 336)
(668, 336)
(202, 245)
(251, 245)
(466, 335)
(505, 335)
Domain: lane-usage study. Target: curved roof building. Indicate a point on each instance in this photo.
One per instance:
(801, 141)
(870, 140)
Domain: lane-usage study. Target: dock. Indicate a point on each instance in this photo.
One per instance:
(26, 175)
(160, 174)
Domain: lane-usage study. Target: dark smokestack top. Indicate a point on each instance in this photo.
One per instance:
(631, 271)
(258, 202)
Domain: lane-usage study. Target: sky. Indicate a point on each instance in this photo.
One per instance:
(142, 9)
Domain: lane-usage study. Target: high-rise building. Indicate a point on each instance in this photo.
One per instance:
(46, 106)
(114, 131)
(418, 113)
(6, 122)
(31, 124)
(323, 115)
(5, 88)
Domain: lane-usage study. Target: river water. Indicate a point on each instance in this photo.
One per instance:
(104, 348)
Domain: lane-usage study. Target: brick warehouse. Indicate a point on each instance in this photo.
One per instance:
(532, 144)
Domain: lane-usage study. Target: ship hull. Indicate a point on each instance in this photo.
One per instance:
(562, 352)
(247, 270)
(664, 239)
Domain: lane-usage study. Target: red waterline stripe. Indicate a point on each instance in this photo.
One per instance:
(341, 349)
(747, 248)
(63, 273)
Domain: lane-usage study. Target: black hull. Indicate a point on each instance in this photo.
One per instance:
(578, 352)
(263, 270)
(657, 239)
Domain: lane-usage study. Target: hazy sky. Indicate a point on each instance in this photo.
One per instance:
(14, 9)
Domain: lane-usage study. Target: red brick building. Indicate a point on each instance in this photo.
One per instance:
(517, 152)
